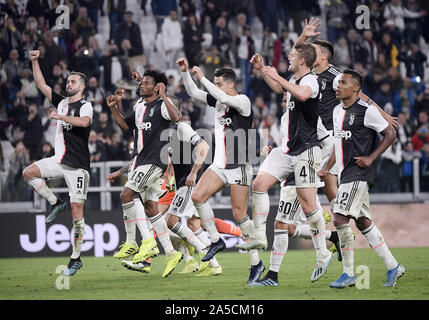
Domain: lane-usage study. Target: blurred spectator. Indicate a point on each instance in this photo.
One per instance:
(161, 9)
(414, 60)
(381, 63)
(52, 49)
(26, 45)
(222, 38)
(390, 50)
(129, 41)
(115, 150)
(92, 8)
(357, 51)
(245, 49)
(404, 97)
(421, 136)
(370, 47)
(390, 162)
(114, 66)
(260, 110)
(57, 76)
(4, 171)
(383, 95)
(97, 150)
(259, 87)
(422, 102)
(18, 114)
(172, 39)
(267, 48)
(10, 33)
(115, 10)
(12, 66)
(83, 26)
(424, 168)
(211, 12)
(404, 129)
(374, 81)
(394, 79)
(103, 127)
(394, 32)
(413, 21)
(210, 59)
(269, 131)
(33, 132)
(187, 9)
(96, 96)
(27, 85)
(342, 57)
(336, 10)
(192, 37)
(37, 8)
(267, 10)
(16, 185)
(49, 126)
(408, 155)
(84, 61)
(47, 150)
(282, 46)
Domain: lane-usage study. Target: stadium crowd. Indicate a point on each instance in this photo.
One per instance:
(391, 55)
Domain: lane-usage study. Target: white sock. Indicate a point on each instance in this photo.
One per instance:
(78, 233)
(207, 219)
(130, 213)
(345, 234)
(260, 211)
(248, 232)
(142, 220)
(186, 234)
(302, 231)
(161, 229)
(376, 241)
(318, 229)
(42, 189)
(280, 245)
(182, 248)
(200, 234)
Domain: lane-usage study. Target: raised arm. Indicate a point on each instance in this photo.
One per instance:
(38, 76)
(237, 102)
(173, 112)
(392, 121)
(119, 119)
(190, 86)
(309, 30)
(258, 63)
(301, 92)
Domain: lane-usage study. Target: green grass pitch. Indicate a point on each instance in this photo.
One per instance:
(105, 278)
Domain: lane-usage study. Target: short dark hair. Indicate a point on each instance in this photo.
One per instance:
(228, 74)
(157, 76)
(82, 76)
(306, 51)
(326, 45)
(356, 76)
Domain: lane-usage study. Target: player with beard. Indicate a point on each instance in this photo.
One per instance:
(71, 159)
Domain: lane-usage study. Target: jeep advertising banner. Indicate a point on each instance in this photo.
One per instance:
(27, 235)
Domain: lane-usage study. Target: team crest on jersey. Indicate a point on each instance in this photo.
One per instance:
(352, 118)
(323, 84)
(151, 112)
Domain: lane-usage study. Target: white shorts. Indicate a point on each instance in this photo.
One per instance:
(147, 181)
(77, 179)
(241, 175)
(353, 200)
(290, 210)
(182, 205)
(304, 166)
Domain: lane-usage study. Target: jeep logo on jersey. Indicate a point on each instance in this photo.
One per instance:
(146, 126)
(343, 134)
(225, 121)
(67, 126)
(290, 105)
